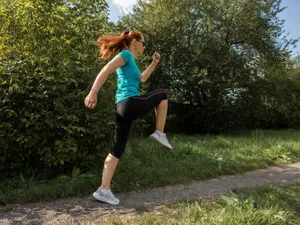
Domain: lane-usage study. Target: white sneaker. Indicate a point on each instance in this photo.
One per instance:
(105, 196)
(161, 138)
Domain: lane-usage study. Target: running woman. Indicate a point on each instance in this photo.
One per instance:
(129, 104)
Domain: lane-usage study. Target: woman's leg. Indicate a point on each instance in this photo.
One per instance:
(122, 130)
(110, 165)
(161, 115)
(157, 100)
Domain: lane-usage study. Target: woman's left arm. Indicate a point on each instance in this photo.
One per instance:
(147, 72)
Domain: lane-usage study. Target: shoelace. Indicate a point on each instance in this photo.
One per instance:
(110, 195)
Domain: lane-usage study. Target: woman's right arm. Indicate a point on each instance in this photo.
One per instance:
(91, 100)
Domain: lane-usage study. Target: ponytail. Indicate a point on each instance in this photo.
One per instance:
(109, 45)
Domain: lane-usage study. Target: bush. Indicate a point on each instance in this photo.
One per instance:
(48, 62)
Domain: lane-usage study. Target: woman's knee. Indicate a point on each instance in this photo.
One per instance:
(117, 153)
(163, 94)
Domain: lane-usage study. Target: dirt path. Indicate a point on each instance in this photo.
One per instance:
(87, 211)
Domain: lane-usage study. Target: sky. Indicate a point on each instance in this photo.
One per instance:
(291, 15)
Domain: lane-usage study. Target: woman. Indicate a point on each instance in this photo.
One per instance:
(129, 104)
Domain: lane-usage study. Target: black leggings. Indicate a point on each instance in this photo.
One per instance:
(127, 111)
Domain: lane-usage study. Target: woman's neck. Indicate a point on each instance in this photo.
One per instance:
(133, 51)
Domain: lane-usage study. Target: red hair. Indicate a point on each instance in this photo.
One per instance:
(109, 45)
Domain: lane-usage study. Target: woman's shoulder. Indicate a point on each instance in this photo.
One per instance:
(125, 51)
(126, 54)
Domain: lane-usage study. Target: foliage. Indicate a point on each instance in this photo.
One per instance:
(48, 62)
(224, 63)
(223, 57)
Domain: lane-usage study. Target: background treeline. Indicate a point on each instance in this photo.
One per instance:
(225, 65)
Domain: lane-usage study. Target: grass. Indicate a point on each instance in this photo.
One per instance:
(269, 205)
(146, 165)
(203, 157)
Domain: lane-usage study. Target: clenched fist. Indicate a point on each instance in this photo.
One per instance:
(156, 57)
(91, 100)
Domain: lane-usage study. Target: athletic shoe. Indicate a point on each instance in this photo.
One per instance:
(105, 196)
(161, 138)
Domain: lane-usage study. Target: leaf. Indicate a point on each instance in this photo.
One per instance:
(23, 180)
(229, 200)
(75, 172)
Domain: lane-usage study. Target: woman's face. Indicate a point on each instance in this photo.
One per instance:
(140, 46)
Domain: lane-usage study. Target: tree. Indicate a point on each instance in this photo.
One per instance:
(48, 60)
(215, 54)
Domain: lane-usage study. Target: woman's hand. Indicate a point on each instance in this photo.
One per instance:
(156, 57)
(147, 72)
(91, 100)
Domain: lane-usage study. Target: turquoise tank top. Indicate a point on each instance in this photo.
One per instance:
(128, 76)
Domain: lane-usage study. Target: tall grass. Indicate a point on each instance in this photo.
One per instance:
(146, 165)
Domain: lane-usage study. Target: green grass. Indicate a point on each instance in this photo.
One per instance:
(269, 205)
(146, 165)
(201, 157)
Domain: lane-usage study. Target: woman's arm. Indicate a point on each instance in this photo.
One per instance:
(91, 100)
(115, 63)
(147, 72)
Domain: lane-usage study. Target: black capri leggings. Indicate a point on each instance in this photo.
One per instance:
(127, 111)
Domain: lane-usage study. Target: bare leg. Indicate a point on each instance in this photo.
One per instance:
(110, 164)
(161, 115)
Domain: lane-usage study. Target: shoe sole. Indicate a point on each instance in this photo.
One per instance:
(100, 198)
(164, 146)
